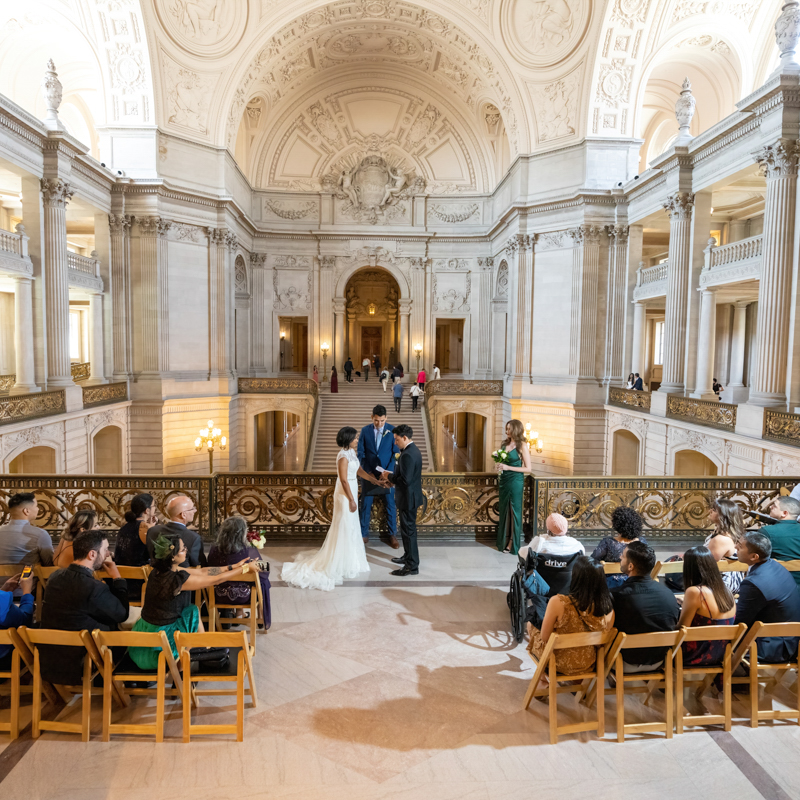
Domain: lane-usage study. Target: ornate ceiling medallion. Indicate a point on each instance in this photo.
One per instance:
(203, 27)
(541, 33)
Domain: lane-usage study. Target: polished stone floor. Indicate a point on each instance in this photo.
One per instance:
(412, 689)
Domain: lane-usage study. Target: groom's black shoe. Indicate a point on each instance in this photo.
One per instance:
(401, 560)
(405, 571)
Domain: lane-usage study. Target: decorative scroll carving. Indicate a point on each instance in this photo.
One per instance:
(278, 386)
(502, 280)
(781, 426)
(704, 412)
(451, 264)
(119, 224)
(105, 394)
(6, 382)
(29, 406)
(628, 398)
(80, 372)
(454, 214)
(463, 387)
(286, 212)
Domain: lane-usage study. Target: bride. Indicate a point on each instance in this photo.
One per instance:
(342, 555)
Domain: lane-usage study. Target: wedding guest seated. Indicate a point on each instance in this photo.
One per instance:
(168, 597)
(181, 511)
(585, 609)
(131, 547)
(14, 616)
(21, 542)
(554, 540)
(84, 520)
(74, 600)
(707, 601)
(642, 605)
(230, 548)
(726, 516)
(784, 535)
(627, 525)
(767, 594)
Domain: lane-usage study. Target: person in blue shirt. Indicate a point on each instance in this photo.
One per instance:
(397, 392)
(13, 616)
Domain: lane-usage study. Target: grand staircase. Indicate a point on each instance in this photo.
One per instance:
(353, 405)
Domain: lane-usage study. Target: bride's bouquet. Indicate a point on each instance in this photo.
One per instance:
(500, 456)
(257, 539)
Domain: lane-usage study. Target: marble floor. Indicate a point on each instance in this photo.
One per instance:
(403, 688)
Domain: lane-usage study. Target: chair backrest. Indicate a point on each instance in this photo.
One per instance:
(731, 566)
(557, 571)
(37, 636)
(129, 574)
(220, 639)
(777, 629)
(107, 639)
(632, 641)
(10, 570)
(715, 633)
(668, 568)
(792, 566)
(564, 641)
(611, 568)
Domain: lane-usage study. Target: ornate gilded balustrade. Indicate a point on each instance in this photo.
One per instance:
(781, 426)
(6, 382)
(104, 394)
(711, 413)
(278, 386)
(674, 508)
(628, 398)
(21, 407)
(443, 386)
(59, 498)
(81, 372)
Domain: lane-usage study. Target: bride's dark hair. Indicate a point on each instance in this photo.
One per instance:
(345, 437)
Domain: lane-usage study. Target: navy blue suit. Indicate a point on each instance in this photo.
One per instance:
(769, 594)
(371, 457)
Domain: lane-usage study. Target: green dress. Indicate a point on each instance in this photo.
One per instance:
(511, 484)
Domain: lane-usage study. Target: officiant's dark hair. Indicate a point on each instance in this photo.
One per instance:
(379, 411)
(345, 436)
(404, 430)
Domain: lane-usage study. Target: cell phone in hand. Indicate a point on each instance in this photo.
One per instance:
(26, 573)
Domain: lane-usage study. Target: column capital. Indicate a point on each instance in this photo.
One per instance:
(153, 226)
(486, 264)
(779, 159)
(231, 240)
(119, 223)
(258, 260)
(618, 234)
(55, 192)
(742, 303)
(404, 307)
(585, 235)
(217, 236)
(327, 262)
(679, 205)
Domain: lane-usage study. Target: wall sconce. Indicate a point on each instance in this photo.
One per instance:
(324, 348)
(208, 439)
(533, 439)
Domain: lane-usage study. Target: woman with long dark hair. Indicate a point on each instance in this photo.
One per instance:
(587, 608)
(511, 483)
(707, 601)
(726, 516)
(84, 520)
(334, 381)
(131, 547)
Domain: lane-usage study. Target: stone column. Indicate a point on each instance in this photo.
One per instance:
(524, 331)
(154, 295)
(484, 333)
(119, 226)
(352, 350)
(96, 365)
(55, 195)
(737, 230)
(706, 346)
(639, 319)
(738, 345)
(679, 207)
(512, 250)
(338, 355)
(585, 269)
(258, 311)
(405, 311)
(417, 322)
(217, 300)
(23, 336)
(615, 304)
(778, 163)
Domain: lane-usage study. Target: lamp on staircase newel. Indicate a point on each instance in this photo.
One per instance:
(325, 347)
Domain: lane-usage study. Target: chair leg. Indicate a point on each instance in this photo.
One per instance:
(669, 695)
(14, 728)
(86, 699)
(161, 691)
(37, 695)
(601, 697)
(187, 696)
(240, 699)
(108, 679)
(620, 677)
(553, 701)
(679, 693)
(251, 678)
(753, 690)
(727, 693)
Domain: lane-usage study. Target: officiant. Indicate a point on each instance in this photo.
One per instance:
(376, 452)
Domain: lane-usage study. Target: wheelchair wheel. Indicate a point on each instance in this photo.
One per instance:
(516, 604)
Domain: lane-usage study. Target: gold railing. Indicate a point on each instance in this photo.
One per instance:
(110, 496)
(670, 507)
(629, 398)
(20, 407)
(104, 394)
(81, 372)
(6, 382)
(711, 413)
(442, 386)
(278, 386)
(781, 426)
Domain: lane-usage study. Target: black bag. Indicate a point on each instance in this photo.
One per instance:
(210, 659)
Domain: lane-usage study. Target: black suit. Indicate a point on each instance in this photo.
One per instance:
(639, 385)
(195, 557)
(407, 480)
(769, 594)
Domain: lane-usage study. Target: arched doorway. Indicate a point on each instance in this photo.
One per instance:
(625, 453)
(108, 451)
(39, 460)
(692, 463)
(371, 300)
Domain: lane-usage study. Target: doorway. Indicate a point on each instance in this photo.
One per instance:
(450, 345)
(371, 341)
(625, 454)
(294, 344)
(694, 464)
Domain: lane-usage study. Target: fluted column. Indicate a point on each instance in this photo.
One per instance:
(417, 321)
(778, 164)
(738, 343)
(258, 311)
(512, 344)
(23, 336)
(484, 337)
(639, 318)
(339, 311)
(155, 295)
(405, 311)
(524, 330)
(218, 299)
(706, 346)
(615, 304)
(96, 361)
(583, 332)
(679, 207)
(119, 226)
(55, 196)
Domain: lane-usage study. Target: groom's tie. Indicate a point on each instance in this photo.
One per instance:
(377, 438)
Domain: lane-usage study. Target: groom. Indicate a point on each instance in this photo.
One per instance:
(376, 448)
(407, 480)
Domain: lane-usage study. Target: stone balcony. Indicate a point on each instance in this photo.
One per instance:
(731, 263)
(84, 272)
(14, 256)
(651, 281)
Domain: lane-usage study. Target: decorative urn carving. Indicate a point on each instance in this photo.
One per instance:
(684, 111)
(52, 90)
(787, 35)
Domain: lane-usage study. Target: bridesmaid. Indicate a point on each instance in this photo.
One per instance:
(511, 482)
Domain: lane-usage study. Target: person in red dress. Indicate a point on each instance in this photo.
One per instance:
(334, 381)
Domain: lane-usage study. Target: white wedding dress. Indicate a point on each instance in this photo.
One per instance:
(342, 555)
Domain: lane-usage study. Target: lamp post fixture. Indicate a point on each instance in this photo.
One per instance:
(208, 439)
(283, 339)
(325, 347)
(418, 351)
(533, 439)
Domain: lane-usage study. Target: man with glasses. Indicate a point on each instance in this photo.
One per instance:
(181, 511)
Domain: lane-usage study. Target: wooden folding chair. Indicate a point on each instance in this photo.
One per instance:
(747, 653)
(655, 679)
(792, 566)
(127, 670)
(12, 726)
(656, 571)
(241, 656)
(129, 574)
(599, 640)
(611, 568)
(42, 575)
(708, 633)
(256, 606)
(92, 665)
(26, 654)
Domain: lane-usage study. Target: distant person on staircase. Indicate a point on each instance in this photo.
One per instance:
(385, 378)
(334, 381)
(415, 393)
(421, 379)
(395, 375)
(348, 370)
(315, 374)
(365, 367)
(437, 373)
(397, 393)
(376, 363)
